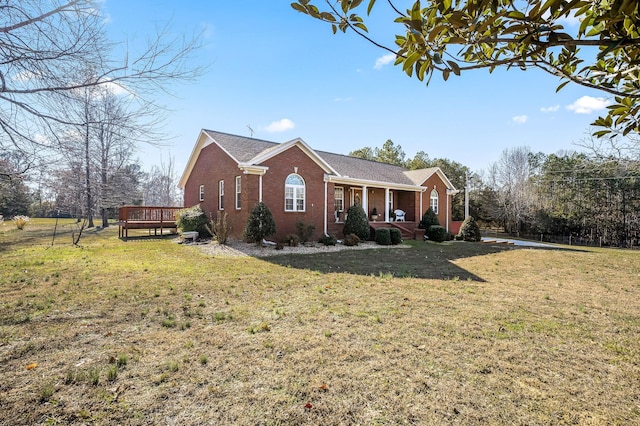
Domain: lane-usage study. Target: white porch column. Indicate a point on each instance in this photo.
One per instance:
(386, 204)
(365, 200)
(260, 189)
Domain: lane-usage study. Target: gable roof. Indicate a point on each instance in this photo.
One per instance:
(251, 151)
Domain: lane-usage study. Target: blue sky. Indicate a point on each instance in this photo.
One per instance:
(286, 75)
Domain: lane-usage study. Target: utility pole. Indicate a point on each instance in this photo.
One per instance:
(467, 186)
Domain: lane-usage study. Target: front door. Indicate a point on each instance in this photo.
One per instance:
(356, 197)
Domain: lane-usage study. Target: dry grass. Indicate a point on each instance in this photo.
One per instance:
(152, 332)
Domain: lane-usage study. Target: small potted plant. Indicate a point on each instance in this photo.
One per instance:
(374, 214)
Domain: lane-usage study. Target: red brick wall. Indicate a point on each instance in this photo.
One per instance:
(214, 165)
(435, 182)
(282, 166)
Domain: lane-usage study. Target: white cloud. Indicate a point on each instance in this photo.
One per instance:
(280, 126)
(588, 104)
(349, 99)
(24, 76)
(520, 119)
(384, 60)
(550, 109)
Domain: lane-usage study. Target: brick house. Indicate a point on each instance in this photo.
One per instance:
(229, 173)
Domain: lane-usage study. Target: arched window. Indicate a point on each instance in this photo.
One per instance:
(294, 193)
(434, 201)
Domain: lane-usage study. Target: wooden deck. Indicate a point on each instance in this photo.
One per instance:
(146, 217)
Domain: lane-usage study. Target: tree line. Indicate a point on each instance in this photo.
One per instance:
(75, 106)
(589, 197)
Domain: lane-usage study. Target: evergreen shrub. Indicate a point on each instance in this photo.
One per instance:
(260, 224)
(193, 219)
(328, 240)
(469, 230)
(383, 236)
(357, 223)
(429, 218)
(396, 236)
(437, 233)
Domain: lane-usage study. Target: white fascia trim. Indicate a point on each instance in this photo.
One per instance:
(438, 171)
(372, 183)
(260, 158)
(203, 141)
(250, 169)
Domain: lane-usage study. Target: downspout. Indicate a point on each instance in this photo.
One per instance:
(260, 189)
(326, 192)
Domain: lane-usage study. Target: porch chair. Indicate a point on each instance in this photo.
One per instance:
(399, 215)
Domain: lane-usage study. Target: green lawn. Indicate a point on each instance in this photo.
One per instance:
(152, 332)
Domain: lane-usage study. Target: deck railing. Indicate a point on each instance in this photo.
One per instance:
(146, 217)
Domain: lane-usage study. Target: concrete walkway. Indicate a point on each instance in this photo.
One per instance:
(522, 243)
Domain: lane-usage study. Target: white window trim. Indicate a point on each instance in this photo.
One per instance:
(221, 194)
(238, 192)
(295, 189)
(432, 199)
(201, 192)
(342, 198)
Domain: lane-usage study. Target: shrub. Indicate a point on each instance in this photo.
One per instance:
(304, 231)
(357, 222)
(193, 219)
(437, 233)
(383, 236)
(351, 240)
(328, 240)
(396, 236)
(219, 228)
(21, 221)
(469, 230)
(292, 240)
(429, 218)
(260, 224)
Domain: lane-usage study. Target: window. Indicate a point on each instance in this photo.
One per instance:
(294, 193)
(238, 192)
(221, 195)
(338, 199)
(434, 201)
(201, 192)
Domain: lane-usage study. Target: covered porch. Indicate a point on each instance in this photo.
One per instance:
(380, 203)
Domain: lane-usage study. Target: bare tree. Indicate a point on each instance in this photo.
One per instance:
(44, 44)
(161, 185)
(511, 182)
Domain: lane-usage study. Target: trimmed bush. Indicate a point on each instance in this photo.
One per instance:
(396, 236)
(260, 224)
(351, 240)
(469, 230)
(305, 231)
(193, 219)
(292, 240)
(383, 236)
(429, 218)
(328, 240)
(357, 223)
(437, 233)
